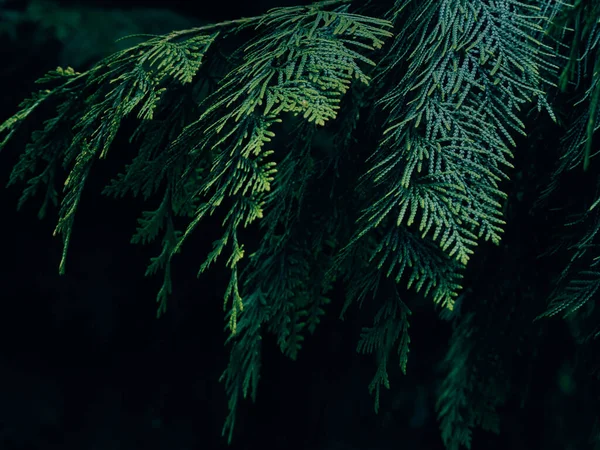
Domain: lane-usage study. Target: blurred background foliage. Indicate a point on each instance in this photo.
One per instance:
(84, 32)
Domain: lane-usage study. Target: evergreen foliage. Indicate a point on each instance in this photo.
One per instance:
(445, 88)
(579, 280)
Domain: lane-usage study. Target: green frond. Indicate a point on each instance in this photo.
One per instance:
(403, 255)
(390, 328)
(243, 371)
(581, 289)
(302, 63)
(448, 131)
(583, 62)
(476, 373)
(578, 282)
(131, 80)
(453, 398)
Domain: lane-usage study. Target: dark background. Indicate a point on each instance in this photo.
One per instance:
(85, 364)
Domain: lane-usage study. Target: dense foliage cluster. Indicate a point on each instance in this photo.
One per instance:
(443, 88)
